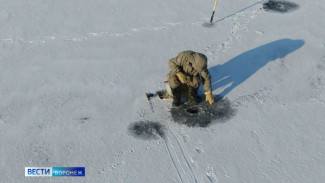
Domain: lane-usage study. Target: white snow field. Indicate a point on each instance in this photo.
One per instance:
(73, 74)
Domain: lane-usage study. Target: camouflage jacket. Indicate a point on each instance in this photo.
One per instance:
(191, 63)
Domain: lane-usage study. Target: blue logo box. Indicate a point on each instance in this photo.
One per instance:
(54, 171)
(68, 171)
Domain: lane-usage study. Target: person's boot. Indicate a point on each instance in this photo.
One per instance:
(176, 96)
(192, 94)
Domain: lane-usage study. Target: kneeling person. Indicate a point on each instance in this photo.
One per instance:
(186, 69)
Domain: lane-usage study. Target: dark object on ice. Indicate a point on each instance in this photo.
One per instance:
(203, 114)
(84, 119)
(214, 9)
(147, 130)
(163, 94)
(149, 96)
(280, 6)
(192, 110)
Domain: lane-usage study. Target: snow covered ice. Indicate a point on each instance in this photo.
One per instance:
(73, 75)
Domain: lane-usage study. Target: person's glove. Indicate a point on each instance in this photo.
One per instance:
(209, 98)
(181, 77)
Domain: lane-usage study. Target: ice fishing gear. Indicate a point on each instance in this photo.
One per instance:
(214, 9)
(149, 95)
(162, 94)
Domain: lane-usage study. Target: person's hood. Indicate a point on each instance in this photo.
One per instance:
(200, 62)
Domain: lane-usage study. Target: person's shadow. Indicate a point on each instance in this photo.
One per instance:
(237, 70)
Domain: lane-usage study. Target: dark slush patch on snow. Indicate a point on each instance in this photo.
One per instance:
(203, 114)
(147, 130)
(280, 6)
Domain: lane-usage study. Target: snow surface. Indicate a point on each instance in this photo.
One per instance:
(73, 76)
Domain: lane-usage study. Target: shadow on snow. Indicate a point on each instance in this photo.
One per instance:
(237, 70)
